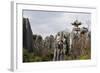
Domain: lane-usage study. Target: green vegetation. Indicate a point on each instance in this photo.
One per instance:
(84, 57)
(31, 57)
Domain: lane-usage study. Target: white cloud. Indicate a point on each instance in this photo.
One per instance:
(47, 23)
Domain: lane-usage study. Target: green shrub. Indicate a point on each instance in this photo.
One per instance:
(84, 57)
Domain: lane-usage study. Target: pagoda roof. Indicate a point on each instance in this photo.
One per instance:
(76, 23)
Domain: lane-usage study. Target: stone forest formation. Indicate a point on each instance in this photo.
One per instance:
(74, 45)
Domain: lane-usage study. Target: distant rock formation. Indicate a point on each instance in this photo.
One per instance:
(80, 42)
(49, 42)
(65, 37)
(61, 45)
(27, 35)
(37, 44)
(84, 41)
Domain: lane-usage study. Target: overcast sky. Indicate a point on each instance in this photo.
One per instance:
(46, 23)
